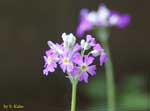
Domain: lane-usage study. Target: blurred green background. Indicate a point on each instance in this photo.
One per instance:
(27, 25)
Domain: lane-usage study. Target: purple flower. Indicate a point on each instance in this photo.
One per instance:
(103, 14)
(103, 58)
(65, 62)
(85, 67)
(90, 41)
(124, 21)
(85, 24)
(119, 20)
(50, 62)
(114, 18)
(98, 50)
(103, 17)
(57, 48)
(72, 57)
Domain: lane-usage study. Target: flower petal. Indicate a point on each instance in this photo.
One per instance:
(75, 71)
(90, 40)
(50, 68)
(84, 25)
(76, 48)
(124, 21)
(53, 64)
(88, 60)
(103, 58)
(63, 67)
(45, 60)
(83, 13)
(77, 58)
(98, 47)
(92, 70)
(84, 77)
(69, 67)
(45, 71)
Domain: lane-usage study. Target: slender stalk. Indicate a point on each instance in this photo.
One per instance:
(110, 80)
(74, 93)
(103, 35)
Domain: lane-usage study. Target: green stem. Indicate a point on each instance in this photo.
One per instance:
(74, 93)
(103, 35)
(110, 80)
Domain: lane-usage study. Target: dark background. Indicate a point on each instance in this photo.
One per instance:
(27, 25)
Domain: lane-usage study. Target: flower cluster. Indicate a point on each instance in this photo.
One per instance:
(72, 57)
(102, 17)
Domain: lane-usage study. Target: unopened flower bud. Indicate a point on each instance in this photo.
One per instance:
(69, 40)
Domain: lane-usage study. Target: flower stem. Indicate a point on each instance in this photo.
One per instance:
(74, 93)
(103, 35)
(110, 80)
